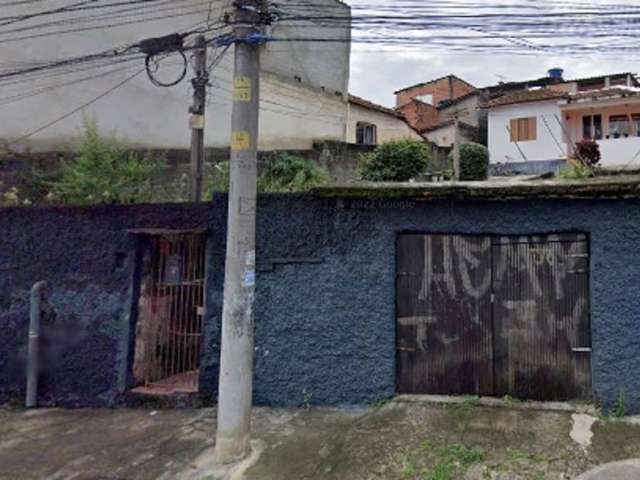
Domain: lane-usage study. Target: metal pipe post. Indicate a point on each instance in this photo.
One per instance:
(35, 312)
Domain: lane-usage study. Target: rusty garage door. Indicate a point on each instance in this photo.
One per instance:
(494, 315)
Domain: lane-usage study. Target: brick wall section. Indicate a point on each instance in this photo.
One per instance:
(420, 115)
(443, 89)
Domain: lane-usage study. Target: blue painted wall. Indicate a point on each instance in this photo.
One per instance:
(325, 313)
(87, 257)
(528, 167)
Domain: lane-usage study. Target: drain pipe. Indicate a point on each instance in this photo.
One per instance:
(34, 336)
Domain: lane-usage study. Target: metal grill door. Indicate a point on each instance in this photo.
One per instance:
(444, 335)
(170, 306)
(541, 317)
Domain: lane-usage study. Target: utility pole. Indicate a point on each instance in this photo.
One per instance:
(456, 147)
(197, 122)
(236, 359)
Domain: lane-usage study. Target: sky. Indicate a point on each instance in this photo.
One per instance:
(376, 74)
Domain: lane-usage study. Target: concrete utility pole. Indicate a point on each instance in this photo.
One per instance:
(197, 111)
(236, 359)
(456, 147)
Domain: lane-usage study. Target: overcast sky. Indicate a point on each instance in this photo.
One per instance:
(375, 75)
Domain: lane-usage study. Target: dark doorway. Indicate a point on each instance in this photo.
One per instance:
(170, 313)
(494, 315)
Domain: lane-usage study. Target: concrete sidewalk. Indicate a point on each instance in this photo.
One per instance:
(399, 440)
(627, 470)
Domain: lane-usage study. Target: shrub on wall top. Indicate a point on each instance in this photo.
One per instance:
(395, 161)
(474, 162)
(281, 174)
(291, 173)
(103, 171)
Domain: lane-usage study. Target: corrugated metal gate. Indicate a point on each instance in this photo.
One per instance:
(494, 315)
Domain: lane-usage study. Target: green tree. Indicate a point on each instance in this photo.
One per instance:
(474, 162)
(394, 161)
(103, 171)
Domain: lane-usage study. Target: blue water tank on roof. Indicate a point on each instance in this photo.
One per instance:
(556, 73)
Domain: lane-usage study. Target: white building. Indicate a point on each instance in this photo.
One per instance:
(526, 128)
(537, 130)
(304, 84)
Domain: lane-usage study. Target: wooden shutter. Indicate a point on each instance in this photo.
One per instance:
(532, 128)
(524, 129)
(523, 133)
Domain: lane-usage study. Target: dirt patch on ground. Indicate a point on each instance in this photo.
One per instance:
(615, 440)
(405, 441)
(101, 444)
(446, 442)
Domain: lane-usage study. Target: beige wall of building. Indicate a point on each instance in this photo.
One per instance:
(293, 116)
(388, 126)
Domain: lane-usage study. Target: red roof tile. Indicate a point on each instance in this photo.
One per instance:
(605, 93)
(525, 97)
(374, 106)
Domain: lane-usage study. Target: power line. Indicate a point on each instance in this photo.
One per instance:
(20, 2)
(11, 20)
(70, 61)
(131, 11)
(76, 110)
(159, 44)
(517, 25)
(441, 25)
(69, 71)
(79, 6)
(106, 54)
(104, 26)
(33, 93)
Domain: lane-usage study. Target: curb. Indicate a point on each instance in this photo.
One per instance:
(501, 403)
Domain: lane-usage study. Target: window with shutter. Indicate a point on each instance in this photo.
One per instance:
(524, 129)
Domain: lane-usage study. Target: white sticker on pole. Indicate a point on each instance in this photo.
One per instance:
(250, 258)
(249, 278)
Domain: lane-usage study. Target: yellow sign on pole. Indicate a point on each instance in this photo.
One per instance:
(240, 141)
(242, 89)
